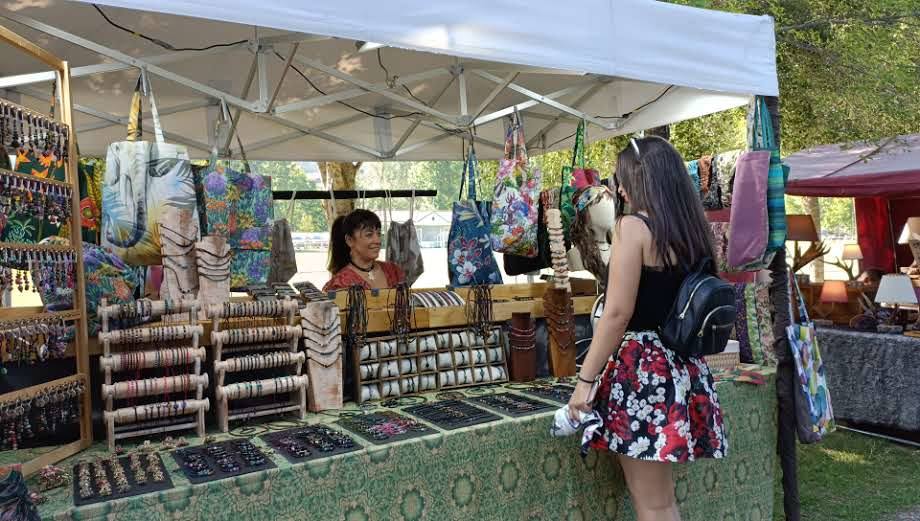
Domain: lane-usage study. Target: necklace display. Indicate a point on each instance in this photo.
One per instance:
(112, 477)
(451, 414)
(221, 460)
(310, 443)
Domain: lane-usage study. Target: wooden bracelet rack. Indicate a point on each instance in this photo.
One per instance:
(255, 350)
(147, 349)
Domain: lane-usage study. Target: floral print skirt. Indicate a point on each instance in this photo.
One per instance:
(658, 406)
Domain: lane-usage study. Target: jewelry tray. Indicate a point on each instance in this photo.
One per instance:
(472, 415)
(135, 490)
(218, 472)
(536, 406)
(271, 439)
(558, 393)
(383, 416)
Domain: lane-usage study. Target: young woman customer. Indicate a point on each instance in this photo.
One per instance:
(355, 244)
(657, 407)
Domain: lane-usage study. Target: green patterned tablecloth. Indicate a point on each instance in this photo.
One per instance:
(507, 470)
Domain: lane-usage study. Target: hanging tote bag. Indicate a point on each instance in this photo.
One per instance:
(469, 249)
(761, 137)
(814, 413)
(239, 207)
(402, 244)
(514, 203)
(748, 242)
(283, 256)
(568, 189)
(142, 179)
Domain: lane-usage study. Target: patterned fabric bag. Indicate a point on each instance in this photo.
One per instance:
(469, 249)
(403, 248)
(91, 171)
(761, 137)
(514, 204)
(570, 184)
(107, 276)
(283, 256)
(239, 207)
(814, 413)
(141, 180)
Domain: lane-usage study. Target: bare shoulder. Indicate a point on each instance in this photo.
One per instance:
(632, 229)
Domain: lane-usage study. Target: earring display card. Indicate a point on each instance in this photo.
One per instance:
(451, 414)
(384, 427)
(558, 393)
(512, 404)
(310, 443)
(91, 487)
(221, 460)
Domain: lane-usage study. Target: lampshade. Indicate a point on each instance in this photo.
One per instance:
(911, 227)
(896, 289)
(852, 252)
(801, 228)
(834, 291)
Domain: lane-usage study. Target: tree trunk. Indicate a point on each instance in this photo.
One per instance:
(663, 132)
(785, 369)
(814, 209)
(342, 174)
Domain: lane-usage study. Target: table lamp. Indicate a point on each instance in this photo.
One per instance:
(895, 290)
(834, 292)
(910, 235)
(802, 228)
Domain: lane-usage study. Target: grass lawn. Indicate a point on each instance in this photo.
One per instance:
(851, 477)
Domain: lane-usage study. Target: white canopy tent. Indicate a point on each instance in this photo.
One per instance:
(445, 71)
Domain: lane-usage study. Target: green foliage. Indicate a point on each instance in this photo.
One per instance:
(305, 216)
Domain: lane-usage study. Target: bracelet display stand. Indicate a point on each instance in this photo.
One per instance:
(387, 367)
(560, 323)
(266, 347)
(322, 340)
(162, 347)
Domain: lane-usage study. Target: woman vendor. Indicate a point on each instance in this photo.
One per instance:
(355, 247)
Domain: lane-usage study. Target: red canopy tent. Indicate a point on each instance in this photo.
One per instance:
(884, 179)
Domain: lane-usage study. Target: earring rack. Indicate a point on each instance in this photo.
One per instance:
(266, 347)
(155, 353)
(59, 133)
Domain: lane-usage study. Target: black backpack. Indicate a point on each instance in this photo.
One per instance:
(702, 316)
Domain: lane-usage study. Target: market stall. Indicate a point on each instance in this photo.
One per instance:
(396, 380)
(882, 177)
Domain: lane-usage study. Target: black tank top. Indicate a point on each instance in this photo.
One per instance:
(658, 288)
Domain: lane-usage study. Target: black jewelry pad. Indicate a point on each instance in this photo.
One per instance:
(511, 404)
(558, 393)
(359, 423)
(273, 440)
(135, 490)
(230, 446)
(440, 414)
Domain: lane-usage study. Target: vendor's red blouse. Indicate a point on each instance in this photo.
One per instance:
(347, 277)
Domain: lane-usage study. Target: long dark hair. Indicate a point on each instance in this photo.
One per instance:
(657, 183)
(344, 226)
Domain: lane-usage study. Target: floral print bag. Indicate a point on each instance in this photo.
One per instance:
(514, 204)
(469, 249)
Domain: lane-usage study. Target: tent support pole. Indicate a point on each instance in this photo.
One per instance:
(785, 367)
(521, 107)
(433, 101)
(539, 136)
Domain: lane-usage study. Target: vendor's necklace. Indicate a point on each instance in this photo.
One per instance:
(368, 271)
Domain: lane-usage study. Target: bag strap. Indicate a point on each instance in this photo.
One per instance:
(412, 206)
(290, 212)
(469, 176)
(803, 309)
(578, 154)
(135, 113)
(157, 127)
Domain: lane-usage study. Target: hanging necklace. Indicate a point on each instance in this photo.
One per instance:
(368, 271)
